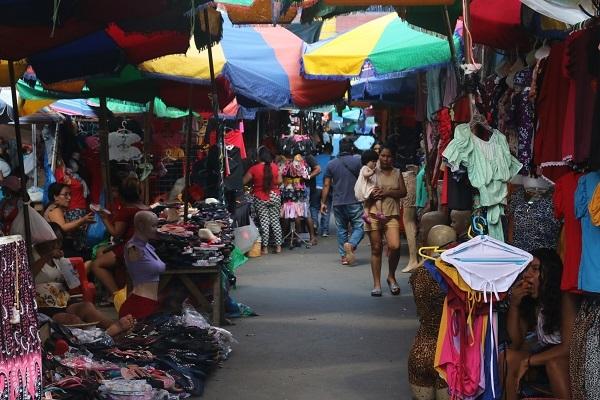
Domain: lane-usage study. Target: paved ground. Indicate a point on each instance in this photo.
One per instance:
(320, 335)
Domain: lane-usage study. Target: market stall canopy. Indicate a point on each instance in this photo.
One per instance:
(261, 63)
(567, 11)
(497, 23)
(431, 17)
(267, 11)
(131, 85)
(387, 45)
(20, 68)
(399, 91)
(42, 116)
(28, 27)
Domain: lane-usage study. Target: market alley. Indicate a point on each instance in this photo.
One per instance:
(320, 335)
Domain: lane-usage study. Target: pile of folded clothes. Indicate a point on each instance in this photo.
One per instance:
(165, 357)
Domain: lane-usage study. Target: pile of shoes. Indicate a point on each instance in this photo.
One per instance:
(165, 357)
(206, 240)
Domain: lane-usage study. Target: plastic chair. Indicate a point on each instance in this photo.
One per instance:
(87, 288)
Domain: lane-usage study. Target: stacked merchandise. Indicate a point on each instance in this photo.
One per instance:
(165, 357)
(205, 240)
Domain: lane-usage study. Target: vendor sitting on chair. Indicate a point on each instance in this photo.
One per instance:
(144, 268)
(52, 295)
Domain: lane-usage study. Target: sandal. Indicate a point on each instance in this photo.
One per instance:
(394, 288)
(376, 292)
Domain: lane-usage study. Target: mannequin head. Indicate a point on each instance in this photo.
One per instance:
(429, 220)
(460, 221)
(441, 235)
(145, 223)
(535, 184)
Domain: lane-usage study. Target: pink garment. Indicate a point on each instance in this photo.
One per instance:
(459, 353)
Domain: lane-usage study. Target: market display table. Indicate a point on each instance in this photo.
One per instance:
(189, 278)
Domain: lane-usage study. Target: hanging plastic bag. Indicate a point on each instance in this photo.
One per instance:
(96, 232)
(237, 259)
(41, 231)
(245, 236)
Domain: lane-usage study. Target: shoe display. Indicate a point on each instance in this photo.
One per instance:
(197, 243)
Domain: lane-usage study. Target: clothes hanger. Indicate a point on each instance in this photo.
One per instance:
(478, 120)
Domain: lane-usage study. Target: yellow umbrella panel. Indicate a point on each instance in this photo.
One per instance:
(192, 66)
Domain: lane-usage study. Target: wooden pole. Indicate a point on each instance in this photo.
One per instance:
(215, 107)
(20, 166)
(104, 157)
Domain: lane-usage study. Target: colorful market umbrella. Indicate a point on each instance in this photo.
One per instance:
(261, 64)
(387, 46)
(130, 85)
(28, 27)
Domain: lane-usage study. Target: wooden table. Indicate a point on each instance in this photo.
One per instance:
(186, 277)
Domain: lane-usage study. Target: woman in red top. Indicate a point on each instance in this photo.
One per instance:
(121, 229)
(265, 179)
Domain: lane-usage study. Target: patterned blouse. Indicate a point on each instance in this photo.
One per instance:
(534, 223)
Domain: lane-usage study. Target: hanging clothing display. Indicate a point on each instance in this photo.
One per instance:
(490, 166)
(294, 193)
(594, 207)
(589, 278)
(552, 112)
(534, 226)
(564, 209)
(120, 145)
(236, 138)
(20, 358)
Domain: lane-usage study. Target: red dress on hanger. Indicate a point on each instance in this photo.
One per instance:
(564, 208)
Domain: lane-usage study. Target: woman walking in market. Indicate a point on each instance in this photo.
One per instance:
(382, 222)
(265, 179)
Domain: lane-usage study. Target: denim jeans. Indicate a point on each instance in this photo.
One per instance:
(349, 214)
(321, 221)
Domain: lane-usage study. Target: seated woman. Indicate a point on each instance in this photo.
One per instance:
(144, 268)
(538, 321)
(121, 229)
(59, 195)
(52, 295)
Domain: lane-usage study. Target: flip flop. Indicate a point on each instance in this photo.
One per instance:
(394, 288)
(376, 292)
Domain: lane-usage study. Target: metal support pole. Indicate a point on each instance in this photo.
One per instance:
(450, 35)
(147, 147)
(20, 167)
(257, 132)
(188, 167)
(104, 157)
(215, 107)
